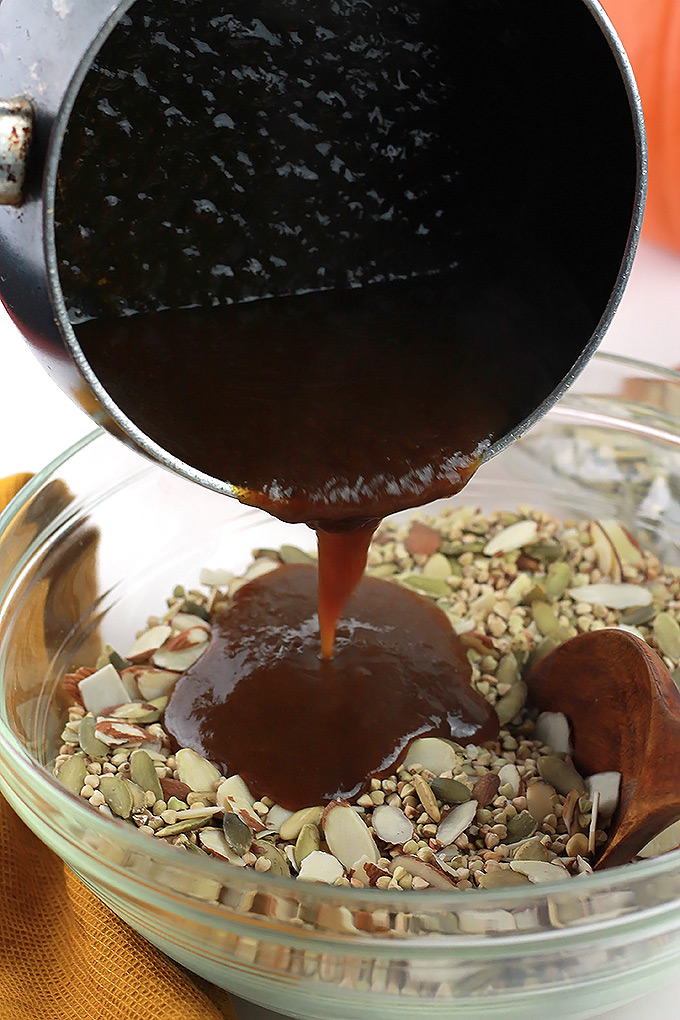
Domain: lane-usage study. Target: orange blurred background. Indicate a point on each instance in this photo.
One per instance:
(650, 33)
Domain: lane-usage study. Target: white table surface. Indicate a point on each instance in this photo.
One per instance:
(37, 422)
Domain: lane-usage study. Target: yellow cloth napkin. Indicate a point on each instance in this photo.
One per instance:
(63, 954)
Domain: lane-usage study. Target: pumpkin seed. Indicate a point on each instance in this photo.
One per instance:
(520, 827)
(458, 548)
(116, 660)
(549, 643)
(544, 617)
(291, 554)
(512, 703)
(501, 879)
(117, 795)
(546, 551)
(558, 579)
(143, 772)
(507, 671)
(307, 842)
(72, 772)
(676, 677)
(667, 634)
(638, 615)
(93, 747)
(193, 607)
(438, 567)
(383, 570)
(450, 791)
(237, 834)
(137, 793)
(560, 774)
(184, 825)
(432, 586)
(279, 864)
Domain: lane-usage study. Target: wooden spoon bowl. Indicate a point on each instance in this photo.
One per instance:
(624, 712)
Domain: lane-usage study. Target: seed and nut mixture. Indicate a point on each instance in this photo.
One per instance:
(511, 812)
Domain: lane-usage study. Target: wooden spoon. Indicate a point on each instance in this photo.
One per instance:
(624, 711)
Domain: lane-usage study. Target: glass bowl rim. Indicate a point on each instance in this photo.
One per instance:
(426, 901)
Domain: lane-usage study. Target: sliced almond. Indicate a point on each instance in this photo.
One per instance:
(540, 871)
(276, 816)
(509, 776)
(427, 798)
(606, 557)
(434, 875)
(148, 643)
(663, 843)
(391, 825)
(187, 621)
(184, 639)
(552, 729)
(103, 690)
(626, 547)
(178, 661)
(613, 596)
(197, 772)
(215, 578)
(115, 731)
(433, 754)
(456, 821)
(608, 785)
(154, 683)
(513, 537)
(234, 787)
(347, 835)
(321, 867)
(214, 842)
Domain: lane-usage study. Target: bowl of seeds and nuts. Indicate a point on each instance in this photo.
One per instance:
(461, 884)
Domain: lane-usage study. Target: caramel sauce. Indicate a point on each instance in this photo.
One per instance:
(333, 408)
(302, 729)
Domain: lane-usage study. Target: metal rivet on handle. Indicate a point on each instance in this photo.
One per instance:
(16, 130)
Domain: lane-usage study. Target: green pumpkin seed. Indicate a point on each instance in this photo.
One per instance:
(511, 703)
(175, 804)
(185, 825)
(544, 617)
(117, 795)
(237, 833)
(501, 879)
(507, 671)
(558, 579)
(291, 554)
(279, 864)
(520, 827)
(307, 842)
(560, 774)
(143, 772)
(432, 586)
(450, 791)
(549, 643)
(138, 795)
(194, 609)
(458, 548)
(676, 677)
(638, 615)
(116, 660)
(667, 634)
(72, 772)
(545, 551)
(90, 744)
(382, 570)
(437, 566)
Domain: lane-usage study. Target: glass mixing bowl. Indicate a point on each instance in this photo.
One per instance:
(100, 538)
